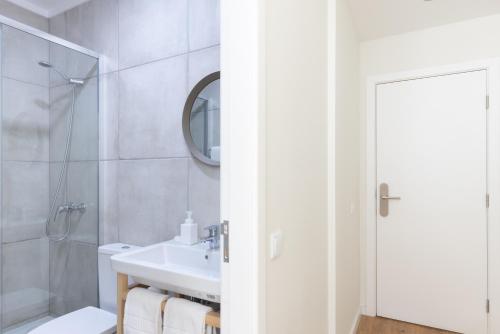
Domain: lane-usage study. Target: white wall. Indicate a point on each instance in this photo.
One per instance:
(296, 164)
(448, 44)
(347, 171)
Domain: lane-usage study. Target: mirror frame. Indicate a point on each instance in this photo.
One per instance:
(186, 118)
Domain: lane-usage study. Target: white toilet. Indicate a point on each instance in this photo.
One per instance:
(92, 320)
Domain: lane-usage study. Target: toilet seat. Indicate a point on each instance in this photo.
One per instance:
(88, 320)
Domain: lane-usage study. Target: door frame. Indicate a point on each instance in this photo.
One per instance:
(243, 165)
(492, 67)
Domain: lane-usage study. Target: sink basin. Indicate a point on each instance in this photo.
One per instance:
(188, 270)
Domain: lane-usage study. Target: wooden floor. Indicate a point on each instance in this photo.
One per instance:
(369, 325)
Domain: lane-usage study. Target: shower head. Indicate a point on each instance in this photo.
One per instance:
(46, 64)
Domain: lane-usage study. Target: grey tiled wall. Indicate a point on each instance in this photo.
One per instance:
(25, 178)
(73, 262)
(26, 259)
(153, 53)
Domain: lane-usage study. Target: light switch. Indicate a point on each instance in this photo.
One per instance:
(276, 246)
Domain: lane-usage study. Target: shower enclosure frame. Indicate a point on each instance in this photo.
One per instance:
(8, 22)
(46, 36)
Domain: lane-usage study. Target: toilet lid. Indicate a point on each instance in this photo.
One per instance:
(88, 320)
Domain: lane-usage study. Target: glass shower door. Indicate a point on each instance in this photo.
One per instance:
(49, 180)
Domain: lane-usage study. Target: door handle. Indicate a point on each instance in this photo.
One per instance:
(390, 197)
(384, 199)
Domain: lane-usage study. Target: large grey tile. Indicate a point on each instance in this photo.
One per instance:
(151, 30)
(204, 23)
(73, 276)
(25, 125)
(54, 175)
(58, 57)
(151, 102)
(57, 25)
(61, 99)
(108, 202)
(203, 63)
(21, 54)
(25, 192)
(80, 185)
(83, 187)
(109, 96)
(25, 280)
(85, 139)
(85, 132)
(152, 199)
(94, 25)
(204, 193)
(57, 227)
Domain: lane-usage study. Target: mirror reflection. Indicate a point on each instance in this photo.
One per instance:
(205, 121)
(201, 120)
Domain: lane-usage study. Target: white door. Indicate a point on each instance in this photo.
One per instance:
(432, 242)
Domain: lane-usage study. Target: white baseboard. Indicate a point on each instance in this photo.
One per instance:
(355, 323)
(364, 311)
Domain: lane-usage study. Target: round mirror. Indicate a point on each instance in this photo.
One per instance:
(201, 120)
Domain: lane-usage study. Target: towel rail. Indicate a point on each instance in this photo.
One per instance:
(212, 319)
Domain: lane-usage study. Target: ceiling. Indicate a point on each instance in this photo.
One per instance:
(373, 18)
(379, 18)
(47, 8)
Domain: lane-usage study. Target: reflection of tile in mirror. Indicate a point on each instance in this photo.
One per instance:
(205, 121)
(199, 126)
(212, 94)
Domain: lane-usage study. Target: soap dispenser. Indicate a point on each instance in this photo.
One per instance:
(189, 230)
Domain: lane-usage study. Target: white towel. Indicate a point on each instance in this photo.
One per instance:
(143, 312)
(184, 317)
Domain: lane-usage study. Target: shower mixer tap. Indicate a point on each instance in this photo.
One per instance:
(70, 207)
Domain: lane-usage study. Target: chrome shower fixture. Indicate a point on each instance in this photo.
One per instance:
(68, 208)
(70, 80)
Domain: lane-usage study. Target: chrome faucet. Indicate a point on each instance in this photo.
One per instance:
(213, 238)
(70, 207)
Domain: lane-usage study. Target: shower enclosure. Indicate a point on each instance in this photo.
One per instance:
(49, 177)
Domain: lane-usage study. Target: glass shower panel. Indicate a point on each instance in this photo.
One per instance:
(49, 180)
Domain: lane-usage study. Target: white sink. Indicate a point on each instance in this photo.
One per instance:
(189, 270)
